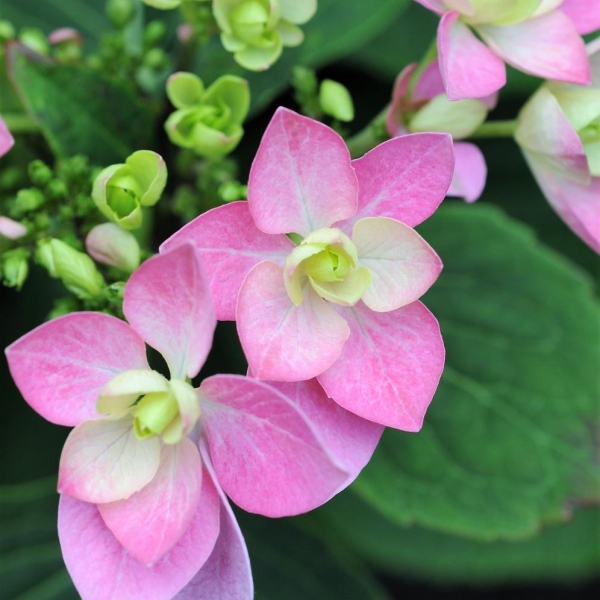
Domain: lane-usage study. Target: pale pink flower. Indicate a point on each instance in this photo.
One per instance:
(342, 305)
(6, 139)
(425, 107)
(143, 513)
(559, 133)
(13, 230)
(534, 36)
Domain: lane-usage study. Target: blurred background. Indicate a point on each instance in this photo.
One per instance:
(497, 495)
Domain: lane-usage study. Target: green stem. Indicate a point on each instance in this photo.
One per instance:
(20, 123)
(369, 137)
(495, 129)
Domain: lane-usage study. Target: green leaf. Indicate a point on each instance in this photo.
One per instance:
(293, 564)
(510, 440)
(338, 28)
(568, 552)
(79, 110)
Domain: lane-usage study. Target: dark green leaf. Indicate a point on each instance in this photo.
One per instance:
(510, 440)
(79, 110)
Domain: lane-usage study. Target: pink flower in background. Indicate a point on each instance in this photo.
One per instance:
(143, 475)
(559, 133)
(6, 139)
(342, 305)
(425, 107)
(534, 36)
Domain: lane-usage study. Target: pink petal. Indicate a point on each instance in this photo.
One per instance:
(103, 461)
(351, 439)
(6, 139)
(60, 366)
(267, 456)
(437, 6)
(301, 178)
(284, 342)
(469, 68)
(390, 366)
(578, 204)
(152, 521)
(430, 83)
(168, 302)
(229, 244)
(226, 575)
(585, 14)
(405, 178)
(10, 229)
(102, 569)
(393, 120)
(547, 46)
(470, 172)
(403, 265)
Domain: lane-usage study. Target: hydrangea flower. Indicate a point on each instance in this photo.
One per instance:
(142, 512)
(6, 139)
(533, 36)
(342, 305)
(559, 133)
(425, 107)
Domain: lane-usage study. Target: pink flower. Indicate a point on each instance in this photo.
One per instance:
(13, 230)
(143, 513)
(559, 133)
(426, 107)
(342, 305)
(533, 36)
(6, 139)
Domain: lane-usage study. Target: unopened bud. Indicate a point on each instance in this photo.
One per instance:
(335, 100)
(29, 199)
(111, 245)
(34, 39)
(120, 12)
(15, 268)
(39, 172)
(13, 230)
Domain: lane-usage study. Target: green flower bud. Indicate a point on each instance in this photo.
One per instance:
(154, 32)
(57, 189)
(15, 268)
(120, 191)
(111, 245)
(76, 270)
(207, 121)
(35, 40)
(29, 199)
(163, 4)
(156, 59)
(153, 413)
(7, 30)
(230, 191)
(39, 173)
(256, 30)
(304, 80)
(45, 257)
(120, 12)
(335, 100)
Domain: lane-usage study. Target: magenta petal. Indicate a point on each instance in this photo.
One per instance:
(470, 172)
(351, 439)
(168, 302)
(284, 342)
(268, 457)
(547, 46)
(6, 139)
(430, 83)
(60, 366)
(390, 366)
(301, 178)
(405, 178)
(230, 244)
(226, 575)
(102, 569)
(469, 68)
(152, 521)
(585, 14)
(393, 120)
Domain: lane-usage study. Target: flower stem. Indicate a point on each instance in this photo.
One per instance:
(20, 123)
(495, 129)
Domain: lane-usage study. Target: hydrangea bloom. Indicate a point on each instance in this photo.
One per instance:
(142, 512)
(533, 36)
(425, 107)
(6, 139)
(342, 305)
(559, 133)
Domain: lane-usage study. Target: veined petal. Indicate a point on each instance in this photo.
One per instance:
(153, 520)
(226, 575)
(268, 457)
(403, 265)
(301, 178)
(405, 178)
(60, 366)
(284, 342)
(103, 461)
(470, 172)
(102, 569)
(390, 366)
(584, 14)
(469, 68)
(229, 244)
(168, 302)
(547, 46)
